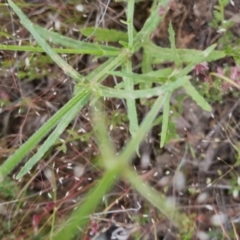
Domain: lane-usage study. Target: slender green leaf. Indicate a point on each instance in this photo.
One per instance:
(90, 48)
(147, 63)
(16, 158)
(131, 104)
(102, 71)
(93, 51)
(161, 75)
(105, 145)
(128, 82)
(146, 69)
(173, 46)
(144, 93)
(130, 19)
(197, 97)
(186, 55)
(197, 60)
(144, 128)
(166, 109)
(103, 34)
(149, 26)
(53, 137)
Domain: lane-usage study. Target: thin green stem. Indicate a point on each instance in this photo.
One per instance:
(54, 186)
(149, 26)
(130, 18)
(93, 51)
(143, 130)
(80, 216)
(131, 104)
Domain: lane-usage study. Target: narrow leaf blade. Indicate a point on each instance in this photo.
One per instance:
(103, 34)
(197, 97)
(166, 109)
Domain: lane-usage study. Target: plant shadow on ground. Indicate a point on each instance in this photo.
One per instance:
(197, 167)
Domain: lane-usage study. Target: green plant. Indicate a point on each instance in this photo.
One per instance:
(89, 89)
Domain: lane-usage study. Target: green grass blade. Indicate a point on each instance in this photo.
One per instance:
(143, 130)
(197, 97)
(131, 104)
(56, 58)
(197, 60)
(81, 216)
(97, 75)
(147, 63)
(149, 26)
(173, 45)
(102, 71)
(146, 69)
(21, 152)
(98, 52)
(148, 78)
(186, 55)
(166, 109)
(52, 137)
(144, 93)
(103, 34)
(106, 147)
(130, 18)
(128, 82)
(90, 48)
